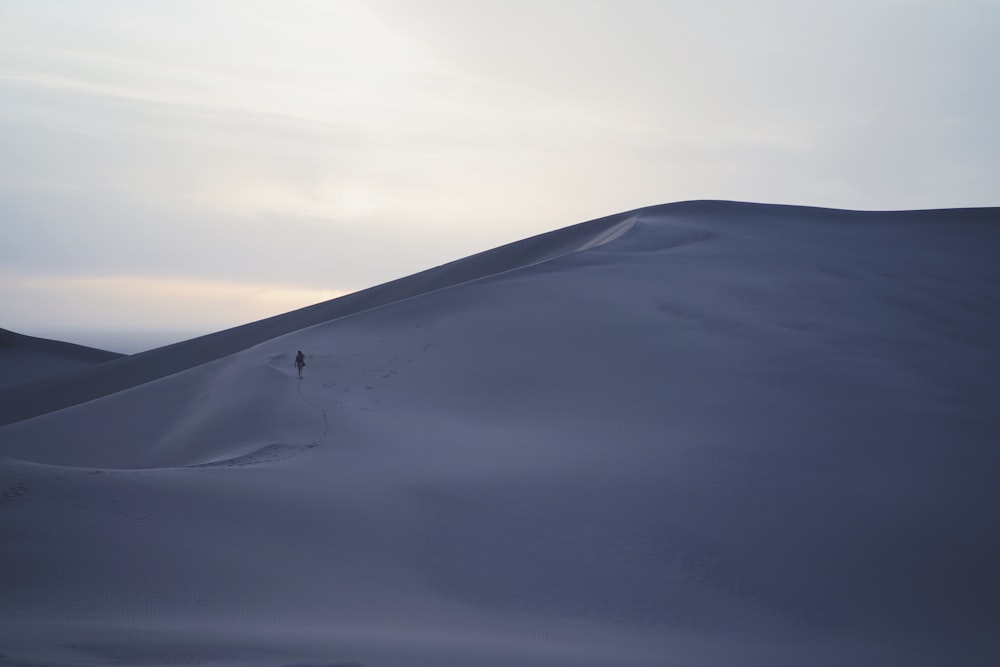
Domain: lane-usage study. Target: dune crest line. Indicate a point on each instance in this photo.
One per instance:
(27, 401)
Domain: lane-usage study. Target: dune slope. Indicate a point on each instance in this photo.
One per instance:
(58, 393)
(710, 433)
(27, 359)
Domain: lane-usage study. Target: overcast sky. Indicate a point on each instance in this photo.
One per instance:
(190, 165)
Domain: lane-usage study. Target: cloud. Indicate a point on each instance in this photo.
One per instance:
(350, 143)
(142, 302)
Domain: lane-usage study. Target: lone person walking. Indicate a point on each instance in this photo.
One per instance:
(300, 362)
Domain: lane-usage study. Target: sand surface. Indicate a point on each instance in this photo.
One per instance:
(705, 433)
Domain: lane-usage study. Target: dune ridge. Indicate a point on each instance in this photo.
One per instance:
(57, 393)
(26, 359)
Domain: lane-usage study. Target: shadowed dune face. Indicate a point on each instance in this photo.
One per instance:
(26, 359)
(704, 433)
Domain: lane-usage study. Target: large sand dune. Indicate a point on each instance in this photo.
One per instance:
(706, 433)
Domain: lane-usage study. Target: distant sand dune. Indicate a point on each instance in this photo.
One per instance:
(27, 359)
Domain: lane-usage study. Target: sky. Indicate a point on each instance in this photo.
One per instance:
(172, 168)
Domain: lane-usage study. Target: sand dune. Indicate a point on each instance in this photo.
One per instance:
(27, 359)
(706, 433)
(136, 369)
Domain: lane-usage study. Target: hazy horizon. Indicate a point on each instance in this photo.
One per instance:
(122, 340)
